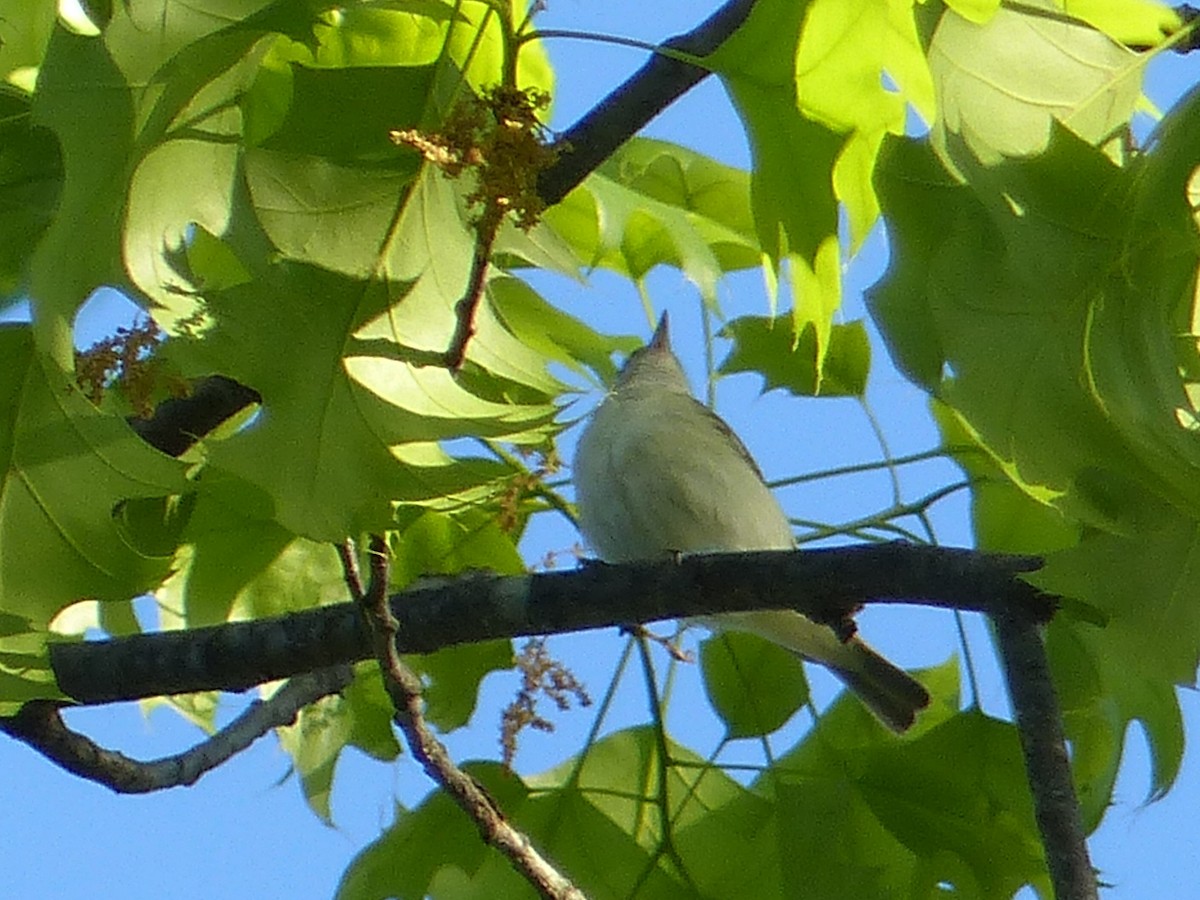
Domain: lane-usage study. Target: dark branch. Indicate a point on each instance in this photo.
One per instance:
(624, 112)
(1039, 721)
(177, 424)
(39, 724)
(482, 606)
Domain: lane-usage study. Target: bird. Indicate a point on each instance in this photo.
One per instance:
(658, 473)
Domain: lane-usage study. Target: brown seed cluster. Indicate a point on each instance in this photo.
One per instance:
(540, 674)
(500, 138)
(126, 361)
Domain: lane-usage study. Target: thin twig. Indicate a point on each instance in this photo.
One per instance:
(468, 304)
(1039, 721)
(404, 689)
(40, 725)
(348, 554)
(896, 511)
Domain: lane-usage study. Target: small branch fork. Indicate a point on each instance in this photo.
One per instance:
(39, 724)
(404, 688)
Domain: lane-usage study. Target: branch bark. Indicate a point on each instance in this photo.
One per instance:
(480, 606)
(1039, 721)
(39, 724)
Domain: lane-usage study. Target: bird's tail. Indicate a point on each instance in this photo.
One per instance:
(887, 690)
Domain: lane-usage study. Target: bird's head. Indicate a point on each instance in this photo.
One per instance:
(654, 366)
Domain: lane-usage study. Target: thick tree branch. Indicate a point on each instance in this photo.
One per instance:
(481, 606)
(40, 725)
(404, 688)
(624, 112)
(1039, 721)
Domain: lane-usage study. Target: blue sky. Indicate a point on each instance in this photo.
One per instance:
(242, 833)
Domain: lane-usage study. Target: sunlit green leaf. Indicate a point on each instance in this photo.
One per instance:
(859, 67)
(654, 203)
(25, 27)
(1002, 84)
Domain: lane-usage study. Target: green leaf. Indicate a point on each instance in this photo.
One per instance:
(851, 54)
(860, 812)
(1012, 324)
(792, 186)
(11, 626)
(359, 716)
(25, 29)
(1105, 676)
(233, 565)
(339, 218)
(620, 780)
(330, 215)
(1141, 357)
(1003, 84)
(795, 210)
(990, 844)
(452, 677)
(154, 526)
(66, 468)
(187, 155)
(315, 744)
(404, 861)
(407, 34)
(553, 333)
(754, 685)
(25, 672)
(607, 816)
(371, 713)
(439, 543)
(322, 449)
(805, 826)
(768, 347)
(1131, 22)
(319, 121)
(200, 708)
(148, 162)
(435, 850)
(916, 191)
(1151, 642)
(412, 244)
(82, 96)
(654, 203)
(1004, 518)
(31, 179)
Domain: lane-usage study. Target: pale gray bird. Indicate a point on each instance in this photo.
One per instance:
(658, 472)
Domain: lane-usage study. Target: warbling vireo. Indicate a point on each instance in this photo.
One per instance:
(658, 472)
